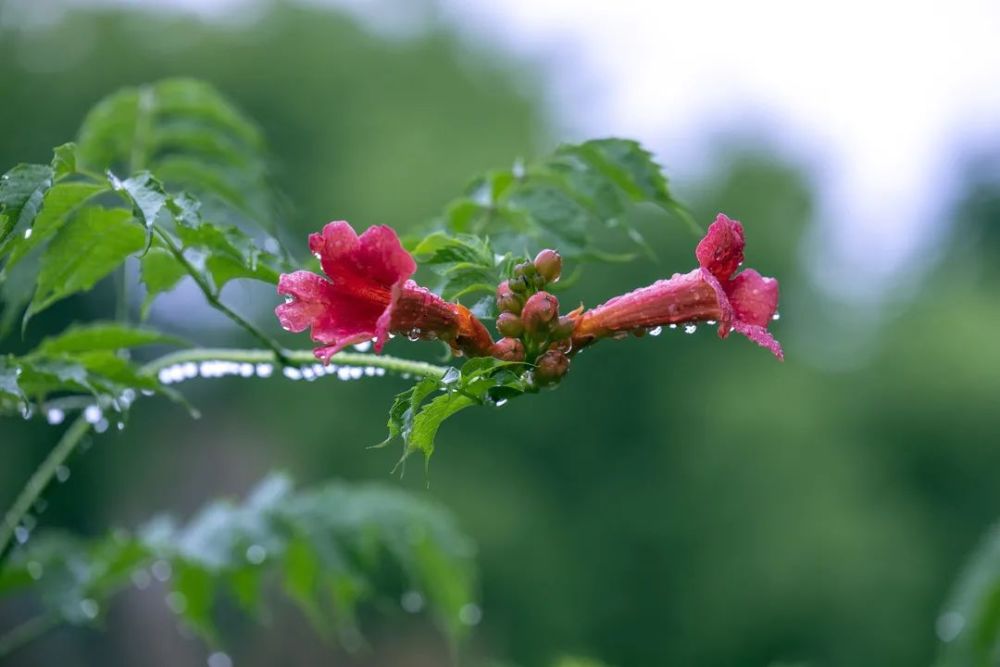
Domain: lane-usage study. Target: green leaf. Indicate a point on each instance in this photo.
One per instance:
(481, 381)
(103, 336)
(144, 192)
(187, 134)
(21, 192)
(160, 272)
(64, 160)
(332, 546)
(90, 247)
(59, 204)
(9, 373)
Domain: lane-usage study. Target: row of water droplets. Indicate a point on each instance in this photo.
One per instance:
(189, 370)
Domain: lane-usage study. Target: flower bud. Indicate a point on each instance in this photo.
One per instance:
(507, 301)
(548, 263)
(540, 310)
(508, 349)
(510, 325)
(550, 367)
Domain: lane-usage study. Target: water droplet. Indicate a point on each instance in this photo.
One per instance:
(264, 370)
(710, 323)
(470, 614)
(219, 659)
(147, 392)
(177, 602)
(26, 410)
(93, 414)
(40, 505)
(413, 334)
(292, 373)
(102, 425)
(364, 346)
(949, 625)
(55, 416)
(656, 331)
(62, 474)
(21, 534)
(89, 608)
(776, 316)
(356, 372)
(141, 579)
(256, 554)
(161, 570)
(27, 233)
(673, 326)
(35, 570)
(412, 601)
(128, 397)
(499, 404)
(690, 328)
(343, 373)
(246, 370)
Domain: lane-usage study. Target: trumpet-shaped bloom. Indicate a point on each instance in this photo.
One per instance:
(745, 302)
(367, 294)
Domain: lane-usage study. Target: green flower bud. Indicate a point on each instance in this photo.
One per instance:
(548, 263)
(510, 325)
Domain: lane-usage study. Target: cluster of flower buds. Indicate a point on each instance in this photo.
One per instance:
(529, 320)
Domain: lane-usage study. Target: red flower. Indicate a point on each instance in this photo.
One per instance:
(744, 303)
(369, 295)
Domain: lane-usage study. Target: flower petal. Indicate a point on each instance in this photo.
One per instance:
(761, 336)
(721, 251)
(376, 256)
(310, 295)
(754, 297)
(337, 320)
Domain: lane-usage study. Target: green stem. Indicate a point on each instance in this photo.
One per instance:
(210, 295)
(296, 358)
(39, 480)
(27, 632)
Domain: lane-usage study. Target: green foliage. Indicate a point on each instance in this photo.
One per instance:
(969, 624)
(415, 416)
(187, 134)
(567, 200)
(332, 549)
(80, 363)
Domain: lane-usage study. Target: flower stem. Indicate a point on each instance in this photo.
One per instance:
(39, 480)
(296, 358)
(213, 299)
(27, 632)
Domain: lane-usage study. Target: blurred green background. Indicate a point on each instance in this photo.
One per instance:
(679, 500)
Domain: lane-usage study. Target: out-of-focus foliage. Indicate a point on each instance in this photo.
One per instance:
(969, 624)
(326, 547)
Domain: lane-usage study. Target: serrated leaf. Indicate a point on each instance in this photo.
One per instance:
(331, 544)
(103, 336)
(160, 272)
(90, 247)
(187, 134)
(21, 192)
(145, 193)
(58, 204)
(63, 160)
(10, 370)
